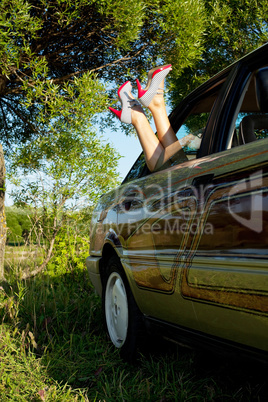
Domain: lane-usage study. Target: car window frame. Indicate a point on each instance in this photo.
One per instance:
(223, 117)
(220, 122)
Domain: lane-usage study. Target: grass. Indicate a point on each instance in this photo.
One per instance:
(53, 348)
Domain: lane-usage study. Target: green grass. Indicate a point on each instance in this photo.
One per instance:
(53, 348)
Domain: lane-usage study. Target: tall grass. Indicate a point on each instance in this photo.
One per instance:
(53, 348)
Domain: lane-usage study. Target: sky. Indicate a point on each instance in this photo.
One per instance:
(127, 146)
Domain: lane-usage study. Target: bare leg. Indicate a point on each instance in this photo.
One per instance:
(165, 132)
(156, 150)
(151, 146)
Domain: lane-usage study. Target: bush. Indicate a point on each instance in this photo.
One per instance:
(14, 229)
(20, 224)
(70, 252)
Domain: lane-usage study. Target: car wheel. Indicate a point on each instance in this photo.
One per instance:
(123, 319)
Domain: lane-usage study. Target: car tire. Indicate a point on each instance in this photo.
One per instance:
(123, 319)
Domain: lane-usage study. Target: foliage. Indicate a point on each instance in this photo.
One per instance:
(55, 57)
(233, 29)
(70, 251)
(55, 54)
(66, 166)
(19, 224)
(14, 229)
(52, 50)
(60, 177)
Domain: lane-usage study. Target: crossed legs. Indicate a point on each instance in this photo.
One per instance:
(157, 149)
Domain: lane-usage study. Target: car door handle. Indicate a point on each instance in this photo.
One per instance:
(203, 180)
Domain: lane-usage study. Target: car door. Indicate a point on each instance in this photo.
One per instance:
(155, 218)
(225, 272)
(226, 267)
(150, 214)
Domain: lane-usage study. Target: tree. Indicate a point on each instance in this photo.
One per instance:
(55, 53)
(59, 174)
(2, 213)
(14, 228)
(233, 29)
(19, 225)
(48, 45)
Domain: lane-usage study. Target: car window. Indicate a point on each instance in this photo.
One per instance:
(139, 169)
(251, 122)
(191, 132)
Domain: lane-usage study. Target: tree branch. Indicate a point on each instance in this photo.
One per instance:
(39, 269)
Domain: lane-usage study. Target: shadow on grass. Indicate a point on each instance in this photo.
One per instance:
(64, 315)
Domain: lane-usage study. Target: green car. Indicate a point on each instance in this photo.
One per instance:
(183, 251)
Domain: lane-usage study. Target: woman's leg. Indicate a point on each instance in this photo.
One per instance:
(165, 132)
(156, 150)
(159, 150)
(151, 146)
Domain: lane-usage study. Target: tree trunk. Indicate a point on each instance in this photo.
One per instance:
(3, 227)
